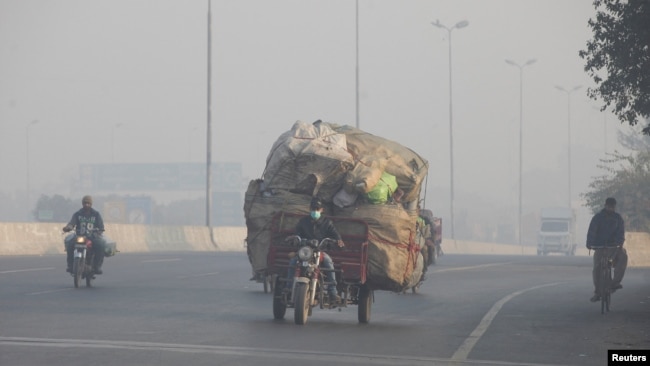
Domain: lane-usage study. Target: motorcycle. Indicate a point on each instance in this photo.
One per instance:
(83, 259)
(301, 284)
(308, 287)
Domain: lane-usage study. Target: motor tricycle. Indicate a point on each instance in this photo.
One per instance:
(307, 288)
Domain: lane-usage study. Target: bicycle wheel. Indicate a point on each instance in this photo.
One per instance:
(605, 282)
(608, 296)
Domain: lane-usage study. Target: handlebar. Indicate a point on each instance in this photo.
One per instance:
(604, 247)
(296, 240)
(90, 232)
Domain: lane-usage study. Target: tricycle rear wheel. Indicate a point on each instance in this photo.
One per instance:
(279, 305)
(365, 304)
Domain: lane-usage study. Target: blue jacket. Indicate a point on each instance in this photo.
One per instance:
(606, 230)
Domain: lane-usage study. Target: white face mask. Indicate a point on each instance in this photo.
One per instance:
(315, 215)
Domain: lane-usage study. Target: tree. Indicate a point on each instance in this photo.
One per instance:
(54, 209)
(628, 183)
(632, 140)
(621, 47)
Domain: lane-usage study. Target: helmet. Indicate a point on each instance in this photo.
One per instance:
(315, 204)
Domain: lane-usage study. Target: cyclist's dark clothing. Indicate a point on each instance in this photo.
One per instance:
(606, 230)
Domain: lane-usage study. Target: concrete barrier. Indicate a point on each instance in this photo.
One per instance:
(638, 249)
(47, 238)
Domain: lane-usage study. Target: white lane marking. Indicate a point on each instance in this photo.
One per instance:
(28, 270)
(198, 275)
(50, 291)
(161, 260)
(284, 354)
(470, 267)
(463, 351)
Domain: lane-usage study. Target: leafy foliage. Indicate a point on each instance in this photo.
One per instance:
(626, 179)
(621, 48)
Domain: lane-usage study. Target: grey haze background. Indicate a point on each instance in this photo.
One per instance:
(136, 71)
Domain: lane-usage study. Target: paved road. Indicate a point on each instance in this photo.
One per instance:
(200, 309)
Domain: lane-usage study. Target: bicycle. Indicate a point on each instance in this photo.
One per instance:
(605, 280)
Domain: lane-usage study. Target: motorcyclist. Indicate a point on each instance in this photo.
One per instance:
(316, 226)
(86, 221)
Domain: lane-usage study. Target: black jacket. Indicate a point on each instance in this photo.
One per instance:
(84, 221)
(308, 228)
(606, 230)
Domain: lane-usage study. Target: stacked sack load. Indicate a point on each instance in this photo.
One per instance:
(358, 175)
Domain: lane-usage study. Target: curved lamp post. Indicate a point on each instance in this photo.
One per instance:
(461, 24)
(568, 93)
(521, 124)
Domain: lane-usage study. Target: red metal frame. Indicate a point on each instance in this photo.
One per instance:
(350, 262)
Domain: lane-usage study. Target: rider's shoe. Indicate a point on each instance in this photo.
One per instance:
(98, 271)
(617, 286)
(595, 298)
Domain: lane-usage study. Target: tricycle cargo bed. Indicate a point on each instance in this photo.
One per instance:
(350, 262)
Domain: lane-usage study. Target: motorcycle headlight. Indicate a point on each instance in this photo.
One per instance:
(305, 253)
(80, 239)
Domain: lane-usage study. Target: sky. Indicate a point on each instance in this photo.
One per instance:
(125, 81)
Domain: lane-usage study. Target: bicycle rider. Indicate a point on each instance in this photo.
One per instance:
(606, 233)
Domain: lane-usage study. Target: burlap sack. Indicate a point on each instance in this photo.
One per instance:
(365, 175)
(306, 152)
(392, 252)
(259, 208)
(408, 167)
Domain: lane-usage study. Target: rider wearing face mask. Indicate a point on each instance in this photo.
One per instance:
(316, 226)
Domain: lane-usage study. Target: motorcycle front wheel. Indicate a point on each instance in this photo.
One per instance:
(77, 271)
(89, 274)
(302, 303)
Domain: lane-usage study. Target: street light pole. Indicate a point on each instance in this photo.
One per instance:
(521, 128)
(27, 186)
(357, 65)
(461, 24)
(208, 163)
(568, 93)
